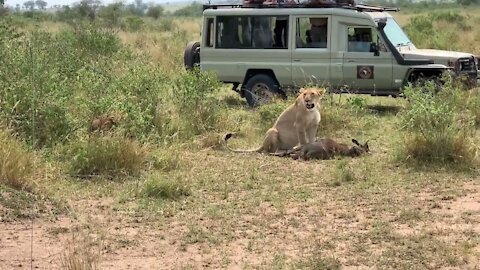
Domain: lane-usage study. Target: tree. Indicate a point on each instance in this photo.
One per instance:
(140, 7)
(155, 11)
(468, 2)
(29, 5)
(112, 13)
(3, 10)
(88, 8)
(41, 4)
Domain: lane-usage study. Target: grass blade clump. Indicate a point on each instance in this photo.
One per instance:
(109, 156)
(158, 187)
(16, 163)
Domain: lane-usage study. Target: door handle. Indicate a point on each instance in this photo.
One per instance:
(351, 61)
(297, 60)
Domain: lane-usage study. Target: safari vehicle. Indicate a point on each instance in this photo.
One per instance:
(269, 50)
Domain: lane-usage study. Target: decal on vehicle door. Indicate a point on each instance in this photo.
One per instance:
(364, 72)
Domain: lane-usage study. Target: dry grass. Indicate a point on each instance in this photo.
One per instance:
(16, 163)
(80, 253)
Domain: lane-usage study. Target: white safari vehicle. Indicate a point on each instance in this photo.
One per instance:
(269, 49)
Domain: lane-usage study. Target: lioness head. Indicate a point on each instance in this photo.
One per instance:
(310, 97)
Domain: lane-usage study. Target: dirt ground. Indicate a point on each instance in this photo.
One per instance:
(321, 230)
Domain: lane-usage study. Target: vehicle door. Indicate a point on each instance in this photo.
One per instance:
(367, 64)
(311, 49)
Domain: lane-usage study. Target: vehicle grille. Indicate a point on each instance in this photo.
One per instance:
(466, 64)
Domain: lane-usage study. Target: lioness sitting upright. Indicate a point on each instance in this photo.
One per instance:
(296, 126)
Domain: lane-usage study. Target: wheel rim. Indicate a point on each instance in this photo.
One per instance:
(261, 93)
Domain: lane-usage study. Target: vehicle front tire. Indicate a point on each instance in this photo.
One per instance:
(261, 89)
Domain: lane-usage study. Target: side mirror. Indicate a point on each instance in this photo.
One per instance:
(381, 24)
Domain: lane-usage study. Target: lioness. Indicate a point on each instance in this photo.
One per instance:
(296, 126)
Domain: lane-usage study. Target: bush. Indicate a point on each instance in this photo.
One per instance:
(195, 102)
(109, 156)
(133, 24)
(16, 164)
(93, 39)
(439, 129)
(155, 11)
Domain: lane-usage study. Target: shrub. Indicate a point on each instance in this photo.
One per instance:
(107, 156)
(193, 95)
(473, 105)
(155, 11)
(36, 78)
(94, 39)
(133, 23)
(157, 187)
(438, 128)
(71, 77)
(16, 164)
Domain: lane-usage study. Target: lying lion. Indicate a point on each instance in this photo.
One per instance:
(296, 126)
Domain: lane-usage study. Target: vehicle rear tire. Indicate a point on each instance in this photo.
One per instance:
(261, 89)
(191, 55)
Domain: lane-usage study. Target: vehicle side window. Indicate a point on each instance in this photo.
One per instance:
(364, 39)
(311, 32)
(252, 32)
(210, 34)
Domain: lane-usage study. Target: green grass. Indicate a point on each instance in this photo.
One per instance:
(158, 187)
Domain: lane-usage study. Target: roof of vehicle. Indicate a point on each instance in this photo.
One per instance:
(296, 10)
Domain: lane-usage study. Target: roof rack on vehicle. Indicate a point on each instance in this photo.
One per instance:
(360, 7)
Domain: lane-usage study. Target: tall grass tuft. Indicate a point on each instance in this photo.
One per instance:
(16, 163)
(158, 187)
(438, 126)
(81, 253)
(195, 101)
(108, 156)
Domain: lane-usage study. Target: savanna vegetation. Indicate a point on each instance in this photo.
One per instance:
(159, 191)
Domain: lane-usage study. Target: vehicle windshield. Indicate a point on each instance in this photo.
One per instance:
(395, 34)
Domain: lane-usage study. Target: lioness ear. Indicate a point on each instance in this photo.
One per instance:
(322, 91)
(301, 90)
